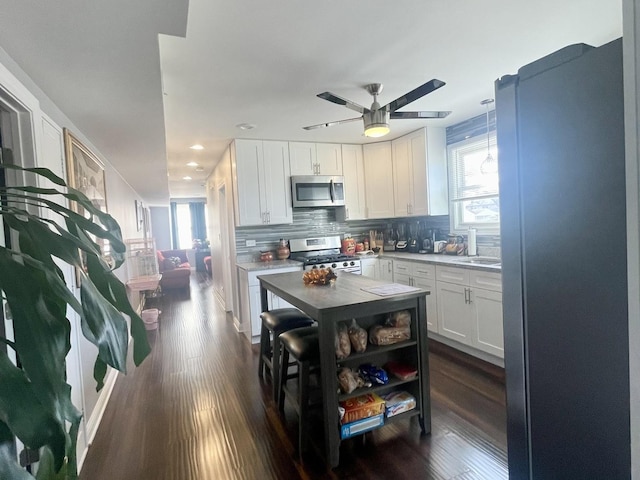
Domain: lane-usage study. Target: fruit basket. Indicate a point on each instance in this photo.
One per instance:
(319, 276)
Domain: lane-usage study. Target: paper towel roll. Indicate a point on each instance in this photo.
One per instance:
(472, 248)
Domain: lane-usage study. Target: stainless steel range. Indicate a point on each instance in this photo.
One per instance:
(323, 252)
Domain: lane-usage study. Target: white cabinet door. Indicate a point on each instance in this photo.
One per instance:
(454, 319)
(487, 317)
(354, 188)
(378, 180)
(369, 267)
(418, 170)
(247, 169)
(385, 269)
(329, 158)
(302, 158)
(402, 178)
(432, 302)
(275, 187)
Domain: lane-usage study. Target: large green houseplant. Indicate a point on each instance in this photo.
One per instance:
(35, 399)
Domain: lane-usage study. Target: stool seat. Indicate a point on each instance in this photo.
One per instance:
(285, 319)
(302, 343)
(274, 322)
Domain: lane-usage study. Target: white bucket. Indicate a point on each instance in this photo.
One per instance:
(150, 318)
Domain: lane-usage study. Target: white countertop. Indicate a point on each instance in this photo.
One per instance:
(272, 265)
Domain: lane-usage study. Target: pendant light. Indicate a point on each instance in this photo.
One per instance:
(489, 165)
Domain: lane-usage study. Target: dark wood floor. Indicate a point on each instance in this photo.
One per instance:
(195, 409)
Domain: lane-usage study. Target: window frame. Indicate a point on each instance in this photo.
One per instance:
(456, 224)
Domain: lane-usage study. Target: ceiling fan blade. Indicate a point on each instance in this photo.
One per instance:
(342, 101)
(331, 124)
(414, 94)
(419, 114)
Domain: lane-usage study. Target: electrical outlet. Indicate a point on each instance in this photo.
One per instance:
(250, 243)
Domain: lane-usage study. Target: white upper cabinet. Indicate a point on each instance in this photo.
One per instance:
(354, 192)
(420, 173)
(307, 158)
(378, 180)
(329, 158)
(261, 175)
(302, 158)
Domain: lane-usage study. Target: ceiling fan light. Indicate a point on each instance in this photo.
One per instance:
(376, 130)
(376, 122)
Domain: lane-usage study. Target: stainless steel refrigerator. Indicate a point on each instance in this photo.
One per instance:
(560, 128)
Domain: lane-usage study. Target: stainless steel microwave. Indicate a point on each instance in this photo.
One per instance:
(317, 190)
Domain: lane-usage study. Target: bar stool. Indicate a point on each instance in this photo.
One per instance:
(303, 346)
(274, 322)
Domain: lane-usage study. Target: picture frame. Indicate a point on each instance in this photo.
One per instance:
(85, 172)
(139, 215)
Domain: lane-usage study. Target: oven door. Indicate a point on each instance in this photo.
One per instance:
(317, 191)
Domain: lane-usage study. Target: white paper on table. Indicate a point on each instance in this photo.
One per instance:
(390, 289)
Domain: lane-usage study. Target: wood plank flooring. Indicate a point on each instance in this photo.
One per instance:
(195, 409)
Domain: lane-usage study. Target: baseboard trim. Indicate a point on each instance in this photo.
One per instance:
(494, 371)
(93, 422)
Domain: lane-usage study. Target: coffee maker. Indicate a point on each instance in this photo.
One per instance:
(413, 244)
(402, 243)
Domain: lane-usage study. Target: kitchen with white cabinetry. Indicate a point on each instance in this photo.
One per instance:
(262, 195)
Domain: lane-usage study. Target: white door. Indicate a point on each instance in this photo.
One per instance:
(275, 184)
(432, 308)
(487, 317)
(248, 162)
(302, 158)
(353, 171)
(402, 181)
(329, 158)
(453, 312)
(378, 180)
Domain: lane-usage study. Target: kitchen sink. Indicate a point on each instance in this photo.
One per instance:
(491, 261)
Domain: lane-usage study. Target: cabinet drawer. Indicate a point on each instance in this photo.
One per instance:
(253, 276)
(402, 267)
(452, 275)
(486, 280)
(424, 270)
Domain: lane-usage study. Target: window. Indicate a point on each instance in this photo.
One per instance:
(474, 196)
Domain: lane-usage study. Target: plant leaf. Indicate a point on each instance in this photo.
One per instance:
(9, 466)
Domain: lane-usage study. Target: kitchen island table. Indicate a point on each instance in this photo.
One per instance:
(346, 299)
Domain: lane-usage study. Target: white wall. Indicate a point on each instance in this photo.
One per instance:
(46, 149)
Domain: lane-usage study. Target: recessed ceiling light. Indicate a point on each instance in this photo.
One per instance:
(197, 146)
(192, 164)
(246, 126)
(186, 178)
(199, 169)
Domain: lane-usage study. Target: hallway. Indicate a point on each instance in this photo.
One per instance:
(195, 409)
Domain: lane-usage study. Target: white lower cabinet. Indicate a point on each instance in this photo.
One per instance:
(470, 308)
(385, 269)
(250, 309)
(369, 267)
(420, 275)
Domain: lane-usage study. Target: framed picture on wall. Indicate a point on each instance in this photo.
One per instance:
(85, 172)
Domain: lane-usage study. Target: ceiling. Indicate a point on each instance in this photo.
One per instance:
(143, 99)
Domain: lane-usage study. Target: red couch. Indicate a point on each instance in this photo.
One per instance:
(175, 269)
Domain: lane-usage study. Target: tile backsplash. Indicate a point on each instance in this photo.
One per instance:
(317, 222)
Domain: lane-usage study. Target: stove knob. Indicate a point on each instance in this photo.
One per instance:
(322, 266)
(353, 264)
(314, 267)
(334, 265)
(345, 264)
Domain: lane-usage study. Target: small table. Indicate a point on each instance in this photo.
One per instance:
(344, 301)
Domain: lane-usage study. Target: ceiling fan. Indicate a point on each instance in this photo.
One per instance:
(376, 118)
